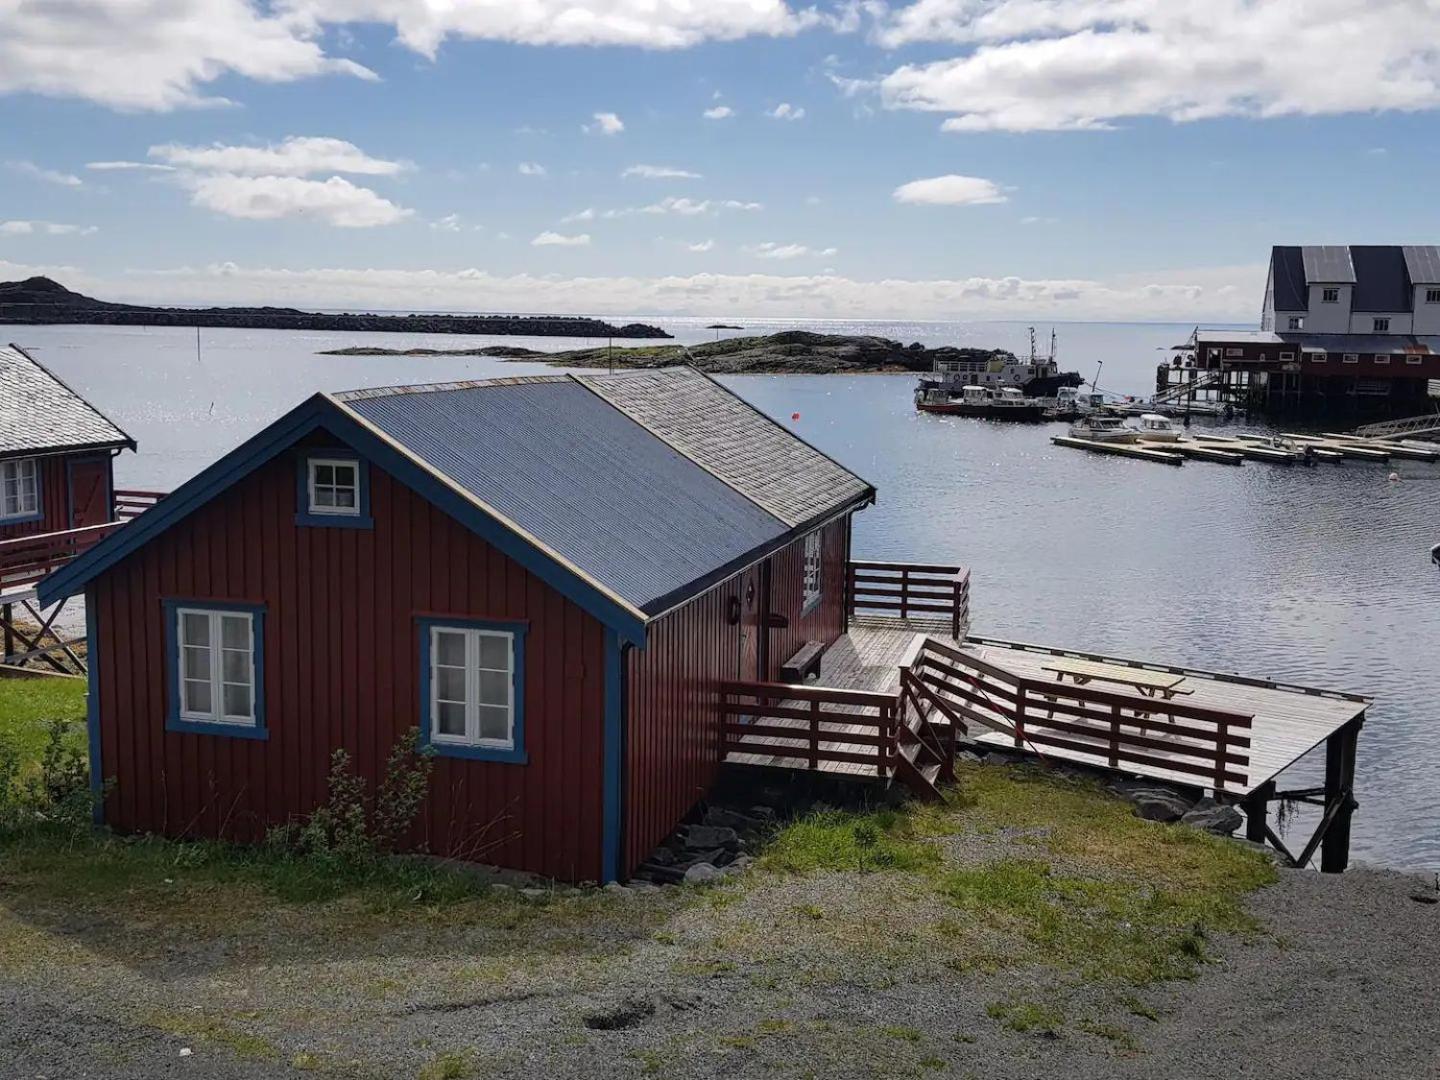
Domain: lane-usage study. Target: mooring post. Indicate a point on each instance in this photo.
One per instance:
(1340, 785)
(1257, 805)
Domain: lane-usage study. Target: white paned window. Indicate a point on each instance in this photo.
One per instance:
(1382, 358)
(1350, 358)
(1432, 296)
(1382, 326)
(1297, 322)
(472, 687)
(1330, 296)
(217, 666)
(813, 563)
(334, 486)
(1319, 357)
(19, 488)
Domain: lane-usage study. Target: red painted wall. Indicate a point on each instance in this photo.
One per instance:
(342, 669)
(54, 500)
(673, 718)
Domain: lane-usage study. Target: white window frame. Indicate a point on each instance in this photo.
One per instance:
(218, 682)
(353, 464)
(1350, 358)
(1319, 357)
(1287, 356)
(1382, 358)
(814, 567)
(472, 738)
(24, 474)
(1380, 326)
(1432, 296)
(1330, 296)
(1234, 352)
(1414, 358)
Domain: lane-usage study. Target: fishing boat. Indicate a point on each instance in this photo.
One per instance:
(980, 402)
(1035, 376)
(1157, 428)
(1103, 428)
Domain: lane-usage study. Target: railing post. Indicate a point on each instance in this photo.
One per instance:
(1018, 721)
(1114, 736)
(904, 593)
(815, 733)
(955, 610)
(1221, 735)
(887, 726)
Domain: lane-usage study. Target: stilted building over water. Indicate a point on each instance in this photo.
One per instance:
(1344, 329)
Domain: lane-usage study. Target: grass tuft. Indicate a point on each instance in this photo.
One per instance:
(882, 840)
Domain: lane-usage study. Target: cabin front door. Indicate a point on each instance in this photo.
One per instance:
(750, 615)
(89, 492)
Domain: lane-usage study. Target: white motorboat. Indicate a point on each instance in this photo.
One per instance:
(1100, 427)
(1157, 428)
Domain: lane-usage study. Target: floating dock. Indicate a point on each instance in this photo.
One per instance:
(1133, 450)
(1192, 448)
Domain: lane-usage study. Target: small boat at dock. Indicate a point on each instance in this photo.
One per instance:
(1103, 428)
(1159, 429)
(980, 402)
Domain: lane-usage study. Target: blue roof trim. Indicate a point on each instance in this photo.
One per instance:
(316, 412)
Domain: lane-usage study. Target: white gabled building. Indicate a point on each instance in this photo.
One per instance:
(1353, 289)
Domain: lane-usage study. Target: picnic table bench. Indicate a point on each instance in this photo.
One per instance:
(1162, 684)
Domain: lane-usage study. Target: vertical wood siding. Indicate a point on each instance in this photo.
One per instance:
(342, 657)
(673, 719)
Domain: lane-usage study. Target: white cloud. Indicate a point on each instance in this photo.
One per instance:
(1219, 294)
(554, 239)
(786, 111)
(685, 207)
(50, 176)
(335, 201)
(950, 190)
(448, 223)
(128, 166)
(294, 156)
(701, 246)
(588, 214)
(772, 250)
(718, 112)
(660, 172)
(530, 168)
(48, 228)
(606, 123)
(1056, 65)
(162, 54)
(1033, 219)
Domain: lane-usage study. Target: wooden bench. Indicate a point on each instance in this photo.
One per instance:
(804, 663)
(1161, 684)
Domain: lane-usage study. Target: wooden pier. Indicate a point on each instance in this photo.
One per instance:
(1130, 450)
(896, 698)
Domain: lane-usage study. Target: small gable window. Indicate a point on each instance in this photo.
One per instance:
(333, 490)
(1297, 322)
(1382, 326)
(216, 668)
(473, 689)
(813, 565)
(1330, 296)
(1432, 296)
(19, 489)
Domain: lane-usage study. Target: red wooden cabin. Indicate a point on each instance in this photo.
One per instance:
(548, 577)
(56, 452)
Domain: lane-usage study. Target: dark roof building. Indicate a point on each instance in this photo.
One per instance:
(39, 414)
(548, 577)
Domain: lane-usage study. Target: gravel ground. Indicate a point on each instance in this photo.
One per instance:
(1342, 984)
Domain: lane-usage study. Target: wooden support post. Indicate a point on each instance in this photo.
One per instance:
(882, 751)
(1340, 791)
(6, 614)
(815, 734)
(1114, 736)
(1019, 723)
(1256, 806)
(905, 593)
(1222, 732)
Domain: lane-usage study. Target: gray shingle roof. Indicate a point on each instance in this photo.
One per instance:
(1422, 263)
(1327, 264)
(733, 440)
(581, 477)
(40, 413)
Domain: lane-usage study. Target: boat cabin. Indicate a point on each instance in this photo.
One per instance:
(548, 578)
(56, 452)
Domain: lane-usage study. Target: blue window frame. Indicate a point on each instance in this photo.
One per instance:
(20, 491)
(472, 688)
(215, 668)
(332, 489)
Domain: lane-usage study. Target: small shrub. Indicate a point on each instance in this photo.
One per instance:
(53, 790)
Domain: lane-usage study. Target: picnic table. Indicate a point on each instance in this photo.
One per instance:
(1162, 684)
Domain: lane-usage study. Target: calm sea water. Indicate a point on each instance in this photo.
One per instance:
(1314, 575)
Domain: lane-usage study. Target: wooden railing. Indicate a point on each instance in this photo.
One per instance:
(129, 504)
(907, 590)
(26, 559)
(1118, 730)
(811, 723)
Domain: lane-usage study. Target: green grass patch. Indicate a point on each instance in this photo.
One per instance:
(880, 840)
(212, 1029)
(29, 706)
(1027, 1016)
(451, 1065)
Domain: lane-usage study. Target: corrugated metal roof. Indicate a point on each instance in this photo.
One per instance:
(733, 440)
(1287, 276)
(1422, 263)
(38, 412)
(579, 476)
(1381, 283)
(1327, 264)
(1338, 343)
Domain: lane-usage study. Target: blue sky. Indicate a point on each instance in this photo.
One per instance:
(936, 158)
